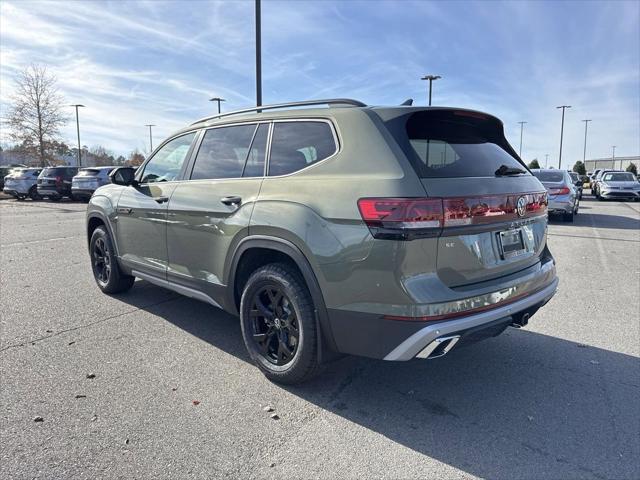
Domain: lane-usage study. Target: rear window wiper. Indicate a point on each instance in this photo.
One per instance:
(504, 171)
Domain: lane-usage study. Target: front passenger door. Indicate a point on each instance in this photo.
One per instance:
(142, 209)
(211, 212)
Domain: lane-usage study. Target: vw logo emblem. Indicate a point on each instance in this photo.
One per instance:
(521, 206)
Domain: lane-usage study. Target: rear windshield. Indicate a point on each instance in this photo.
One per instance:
(89, 172)
(55, 171)
(549, 176)
(445, 144)
(619, 177)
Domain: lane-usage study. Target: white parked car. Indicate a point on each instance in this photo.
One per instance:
(88, 180)
(618, 185)
(21, 183)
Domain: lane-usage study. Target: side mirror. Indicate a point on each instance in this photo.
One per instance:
(123, 176)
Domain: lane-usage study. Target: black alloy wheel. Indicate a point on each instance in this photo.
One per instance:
(101, 258)
(275, 327)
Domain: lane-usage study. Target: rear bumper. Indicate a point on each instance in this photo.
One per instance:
(474, 317)
(17, 188)
(560, 204)
(46, 191)
(468, 326)
(87, 192)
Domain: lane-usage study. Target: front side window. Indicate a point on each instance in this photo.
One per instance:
(166, 164)
(296, 145)
(223, 152)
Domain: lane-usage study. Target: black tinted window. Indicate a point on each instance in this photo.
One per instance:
(254, 166)
(166, 164)
(223, 152)
(296, 145)
(549, 176)
(457, 144)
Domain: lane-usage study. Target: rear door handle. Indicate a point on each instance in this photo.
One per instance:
(161, 199)
(231, 200)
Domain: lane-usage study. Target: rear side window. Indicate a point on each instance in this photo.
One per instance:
(445, 144)
(223, 152)
(296, 145)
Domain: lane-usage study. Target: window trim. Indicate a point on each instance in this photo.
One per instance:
(336, 142)
(203, 131)
(187, 159)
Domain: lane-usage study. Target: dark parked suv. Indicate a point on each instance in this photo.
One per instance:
(389, 232)
(55, 182)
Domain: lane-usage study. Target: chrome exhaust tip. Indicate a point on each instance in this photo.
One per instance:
(439, 347)
(521, 321)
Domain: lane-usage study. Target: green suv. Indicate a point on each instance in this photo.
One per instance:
(389, 232)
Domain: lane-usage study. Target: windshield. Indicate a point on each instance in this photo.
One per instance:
(549, 175)
(574, 176)
(619, 177)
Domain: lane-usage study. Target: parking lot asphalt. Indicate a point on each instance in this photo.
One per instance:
(173, 394)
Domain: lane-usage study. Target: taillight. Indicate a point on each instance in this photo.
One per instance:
(559, 191)
(402, 218)
(409, 218)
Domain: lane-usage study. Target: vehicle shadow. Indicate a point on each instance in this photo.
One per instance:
(522, 405)
(618, 222)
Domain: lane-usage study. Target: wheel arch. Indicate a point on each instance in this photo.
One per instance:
(260, 250)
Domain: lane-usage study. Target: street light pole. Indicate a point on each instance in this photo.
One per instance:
(546, 160)
(584, 153)
(78, 105)
(217, 99)
(150, 137)
(613, 157)
(431, 78)
(563, 107)
(258, 56)
(521, 129)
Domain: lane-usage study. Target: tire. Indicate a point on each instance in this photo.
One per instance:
(104, 264)
(275, 307)
(33, 193)
(568, 217)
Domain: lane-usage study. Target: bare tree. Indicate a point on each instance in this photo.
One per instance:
(35, 116)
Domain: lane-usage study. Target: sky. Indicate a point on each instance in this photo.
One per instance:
(133, 63)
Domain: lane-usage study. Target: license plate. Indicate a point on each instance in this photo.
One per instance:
(511, 243)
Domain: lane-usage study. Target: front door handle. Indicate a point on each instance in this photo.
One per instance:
(161, 199)
(231, 200)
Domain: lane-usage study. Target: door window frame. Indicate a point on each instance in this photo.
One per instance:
(334, 132)
(187, 158)
(189, 170)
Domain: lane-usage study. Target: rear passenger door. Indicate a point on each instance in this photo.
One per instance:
(211, 212)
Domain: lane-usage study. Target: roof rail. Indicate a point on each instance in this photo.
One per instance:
(329, 101)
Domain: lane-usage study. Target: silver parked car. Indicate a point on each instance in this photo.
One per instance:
(563, 194)
(622, 185)
(88, 180)
(21, 183)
